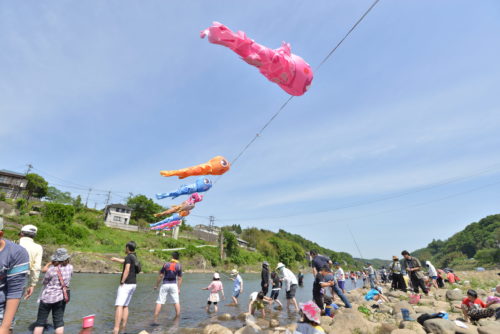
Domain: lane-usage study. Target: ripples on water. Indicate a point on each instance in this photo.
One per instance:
(95, 294)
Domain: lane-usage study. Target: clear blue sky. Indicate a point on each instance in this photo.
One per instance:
(398, 136)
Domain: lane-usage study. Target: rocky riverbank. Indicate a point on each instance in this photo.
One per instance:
(386, 319)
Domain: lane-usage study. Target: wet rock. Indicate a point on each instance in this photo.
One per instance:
(454, 295)
(190, 330)
(242, 316)
(249, 329)
(216, 329)
(143, 332)
(274, 323)
(225, 317)
(262, 323)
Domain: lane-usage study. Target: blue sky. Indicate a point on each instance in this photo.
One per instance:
(397, 137)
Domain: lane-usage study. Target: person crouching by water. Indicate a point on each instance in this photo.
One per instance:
(171, 278)
(128, 284)
(214, 287)
(55, 292)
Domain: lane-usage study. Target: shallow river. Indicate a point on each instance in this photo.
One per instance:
(95, 294)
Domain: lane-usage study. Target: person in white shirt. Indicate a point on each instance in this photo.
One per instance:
(340, 276)
(433, 275)
(35, 252)
(291, 283)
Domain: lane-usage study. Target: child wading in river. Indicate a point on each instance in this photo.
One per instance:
(214, 287)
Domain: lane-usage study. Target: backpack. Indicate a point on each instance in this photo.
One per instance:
(137, 265)
(428, 316)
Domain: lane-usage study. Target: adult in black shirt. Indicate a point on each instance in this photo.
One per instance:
(128, 284)
(265, 277)
(318, 262)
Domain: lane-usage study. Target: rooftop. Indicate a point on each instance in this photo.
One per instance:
(119, 206)
(11, 173)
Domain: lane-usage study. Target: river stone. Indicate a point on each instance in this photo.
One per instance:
(216, 329)
(397, 294)
(143, 332)
(493, 327)
(225, 317)
(424, 309)
(396, 310)
(188, 330)
(440, 294)
(385, 329)
(248, 329)
(454, 295)
(441, 306)
(350, 321)
(412, 325)
(242, 316)
(403, 331)
(274, 323)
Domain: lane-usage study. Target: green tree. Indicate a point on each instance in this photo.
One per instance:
(57, 196)
(58, 214)
(144, 208)
(78, 203)
(36, 187)
(230, 243)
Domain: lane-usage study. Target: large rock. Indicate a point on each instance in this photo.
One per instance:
(397, 294)
(396, 309)
(439, 326)
(424, 309)
(403, 331)
(385, 329)
(413, 326)
(216, 329)
(454, 295)
(351, 321)
(441, 306)
(493, 327)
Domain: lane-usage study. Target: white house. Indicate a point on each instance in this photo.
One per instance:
(118, 216)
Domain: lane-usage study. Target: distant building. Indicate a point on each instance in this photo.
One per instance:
(118, 216)
(12, 183)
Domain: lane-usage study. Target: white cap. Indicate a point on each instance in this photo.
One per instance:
(30, 229)
(234, 272)
(216, 276)
(280, 265)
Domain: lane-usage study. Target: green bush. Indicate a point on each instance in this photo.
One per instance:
(58, 214)
(3, 196)
(22, 206)
(92, 221)
(488, 256)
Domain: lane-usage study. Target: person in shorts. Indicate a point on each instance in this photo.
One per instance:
(340, 276)
(275, 292)
(214, 287)
(128, 284)
(291, 284)
(171, 278)
(14, 268)
(237, 285)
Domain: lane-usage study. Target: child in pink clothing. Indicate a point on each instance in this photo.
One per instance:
(214, 287)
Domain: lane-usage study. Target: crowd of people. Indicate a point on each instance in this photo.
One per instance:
(21, 265)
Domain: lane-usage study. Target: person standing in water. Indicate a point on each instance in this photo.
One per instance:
(171, 278)
(128, 284)
(214, 287)
(237, 285)
(265, 278)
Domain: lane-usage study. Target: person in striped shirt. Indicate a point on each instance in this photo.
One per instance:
(14, 268)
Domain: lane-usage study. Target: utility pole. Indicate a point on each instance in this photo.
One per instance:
(221, 245)
(87, 200)
(30, 167)
(108, 198)
(211, 226)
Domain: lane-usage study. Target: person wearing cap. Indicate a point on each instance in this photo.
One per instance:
(14, 268)
(398, 282)
(53, 298)
(35, 252)
(291, 284)
(214, 287)
(311, 319)
(265, 277)
(237, 285)
(340, 276)
(171, 277)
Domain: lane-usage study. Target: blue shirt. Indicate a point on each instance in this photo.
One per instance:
(237, 283)
(14, 268)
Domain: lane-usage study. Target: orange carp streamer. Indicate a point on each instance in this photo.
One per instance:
(215, 166)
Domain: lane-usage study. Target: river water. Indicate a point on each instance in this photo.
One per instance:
(96, 293)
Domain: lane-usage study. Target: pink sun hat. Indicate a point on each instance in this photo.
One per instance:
(311, 311)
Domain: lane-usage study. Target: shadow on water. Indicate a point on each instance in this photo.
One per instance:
(95, 294)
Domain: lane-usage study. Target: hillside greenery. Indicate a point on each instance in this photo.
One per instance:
(477, 245)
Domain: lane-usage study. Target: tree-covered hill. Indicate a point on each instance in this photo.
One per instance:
(477, 245)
